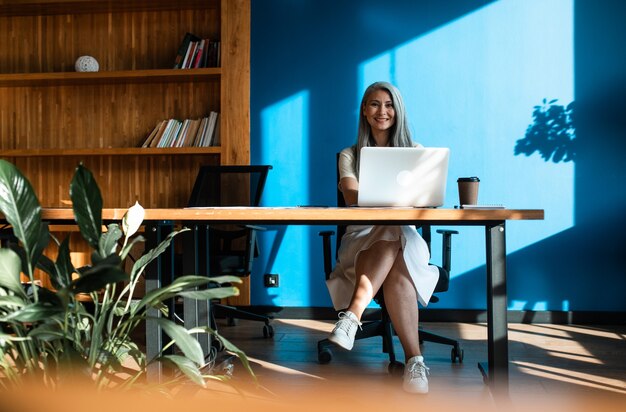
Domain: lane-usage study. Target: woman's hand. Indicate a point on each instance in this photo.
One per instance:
(349, 186)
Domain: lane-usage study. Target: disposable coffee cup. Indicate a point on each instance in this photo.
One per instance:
(468, 190)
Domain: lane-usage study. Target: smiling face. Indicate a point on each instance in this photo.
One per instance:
(380, 113)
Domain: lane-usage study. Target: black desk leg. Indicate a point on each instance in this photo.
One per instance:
(497, 373)
(195, 311)
(158, 273)
(154, 341)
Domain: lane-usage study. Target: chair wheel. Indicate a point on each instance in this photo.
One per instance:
(324, 356)
(457, 353)
(268, 331)
(396, 368)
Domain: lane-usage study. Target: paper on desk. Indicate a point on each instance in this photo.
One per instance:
(482, 207)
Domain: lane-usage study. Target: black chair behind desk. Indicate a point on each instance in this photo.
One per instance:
(382, 326)
(229, 249)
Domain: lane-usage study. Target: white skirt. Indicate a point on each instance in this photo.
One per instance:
(359, 238)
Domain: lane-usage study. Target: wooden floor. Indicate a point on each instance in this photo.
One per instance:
(549, 363)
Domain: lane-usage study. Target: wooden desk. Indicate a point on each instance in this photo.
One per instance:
(496, 372)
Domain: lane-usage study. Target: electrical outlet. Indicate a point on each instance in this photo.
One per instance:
(271, 280)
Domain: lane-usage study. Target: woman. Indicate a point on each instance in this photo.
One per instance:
(395, 257)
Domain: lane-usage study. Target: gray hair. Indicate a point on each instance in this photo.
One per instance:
(400, 135)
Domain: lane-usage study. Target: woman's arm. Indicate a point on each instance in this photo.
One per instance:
(349, 186)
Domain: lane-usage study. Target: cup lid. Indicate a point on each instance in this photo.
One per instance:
(468, 179)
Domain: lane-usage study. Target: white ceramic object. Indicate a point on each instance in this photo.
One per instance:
(86, 64)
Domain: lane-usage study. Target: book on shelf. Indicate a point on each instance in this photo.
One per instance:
(216, 133)
(207, 137)
(213, 55)
(183, 65)
(197, 58)
(159, 134)
(171, 142)
(192, 132)
(183, 49)
(169, 133)
(195, 52)
(150, 138)
(166, 137)
(181, 133)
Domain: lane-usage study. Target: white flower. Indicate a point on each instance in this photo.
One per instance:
(132, 219)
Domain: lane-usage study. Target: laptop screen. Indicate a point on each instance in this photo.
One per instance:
(403, 176)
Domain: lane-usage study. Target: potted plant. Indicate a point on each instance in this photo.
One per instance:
(47, 334)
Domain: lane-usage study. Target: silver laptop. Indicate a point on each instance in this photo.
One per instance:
(403, 176)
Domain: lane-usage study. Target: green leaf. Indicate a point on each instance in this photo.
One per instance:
(108, 241)
(152, 254)
(126, 250)
(97, 278)
(186, 343)
(32, 313)
(47, 265)
(12, 302)
(21, 208)
(111, 260)
(10, 264)
(225, 279)
(211, 293)
(12, 338)
(178, 285)
(46, 296)
(64, 265)
(42, 243)
(87, 205)
(187, 367)
(48, 332)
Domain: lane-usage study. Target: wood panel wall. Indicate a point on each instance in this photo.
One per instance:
(47, 36)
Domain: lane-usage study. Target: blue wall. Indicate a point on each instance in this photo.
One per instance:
(471, 73)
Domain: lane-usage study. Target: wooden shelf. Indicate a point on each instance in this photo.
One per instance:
(122, 76)
(51, 7)
(119, 151)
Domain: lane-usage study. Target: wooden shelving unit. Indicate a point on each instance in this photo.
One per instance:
(52, 118)
(119, 151)
(121, 76)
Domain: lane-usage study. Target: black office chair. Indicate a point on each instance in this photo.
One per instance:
(383, 327)
(229, 249)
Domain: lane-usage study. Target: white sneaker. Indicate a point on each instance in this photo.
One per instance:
(345, 329)
(415, 380)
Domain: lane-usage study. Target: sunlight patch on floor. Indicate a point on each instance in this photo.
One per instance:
(571, 376)
(283, 369)
(577, 357)
(582, 330)
(321, 326)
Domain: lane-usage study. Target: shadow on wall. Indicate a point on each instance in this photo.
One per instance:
(552, 133)
(583, 267)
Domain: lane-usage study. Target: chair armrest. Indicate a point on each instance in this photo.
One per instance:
(447, 232)
(253, 227)
(446, 248)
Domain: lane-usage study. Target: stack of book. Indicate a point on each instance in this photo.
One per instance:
(195, 52)
(185, 133)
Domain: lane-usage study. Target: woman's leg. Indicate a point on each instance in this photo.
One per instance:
(401, 303)
(372, 267)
